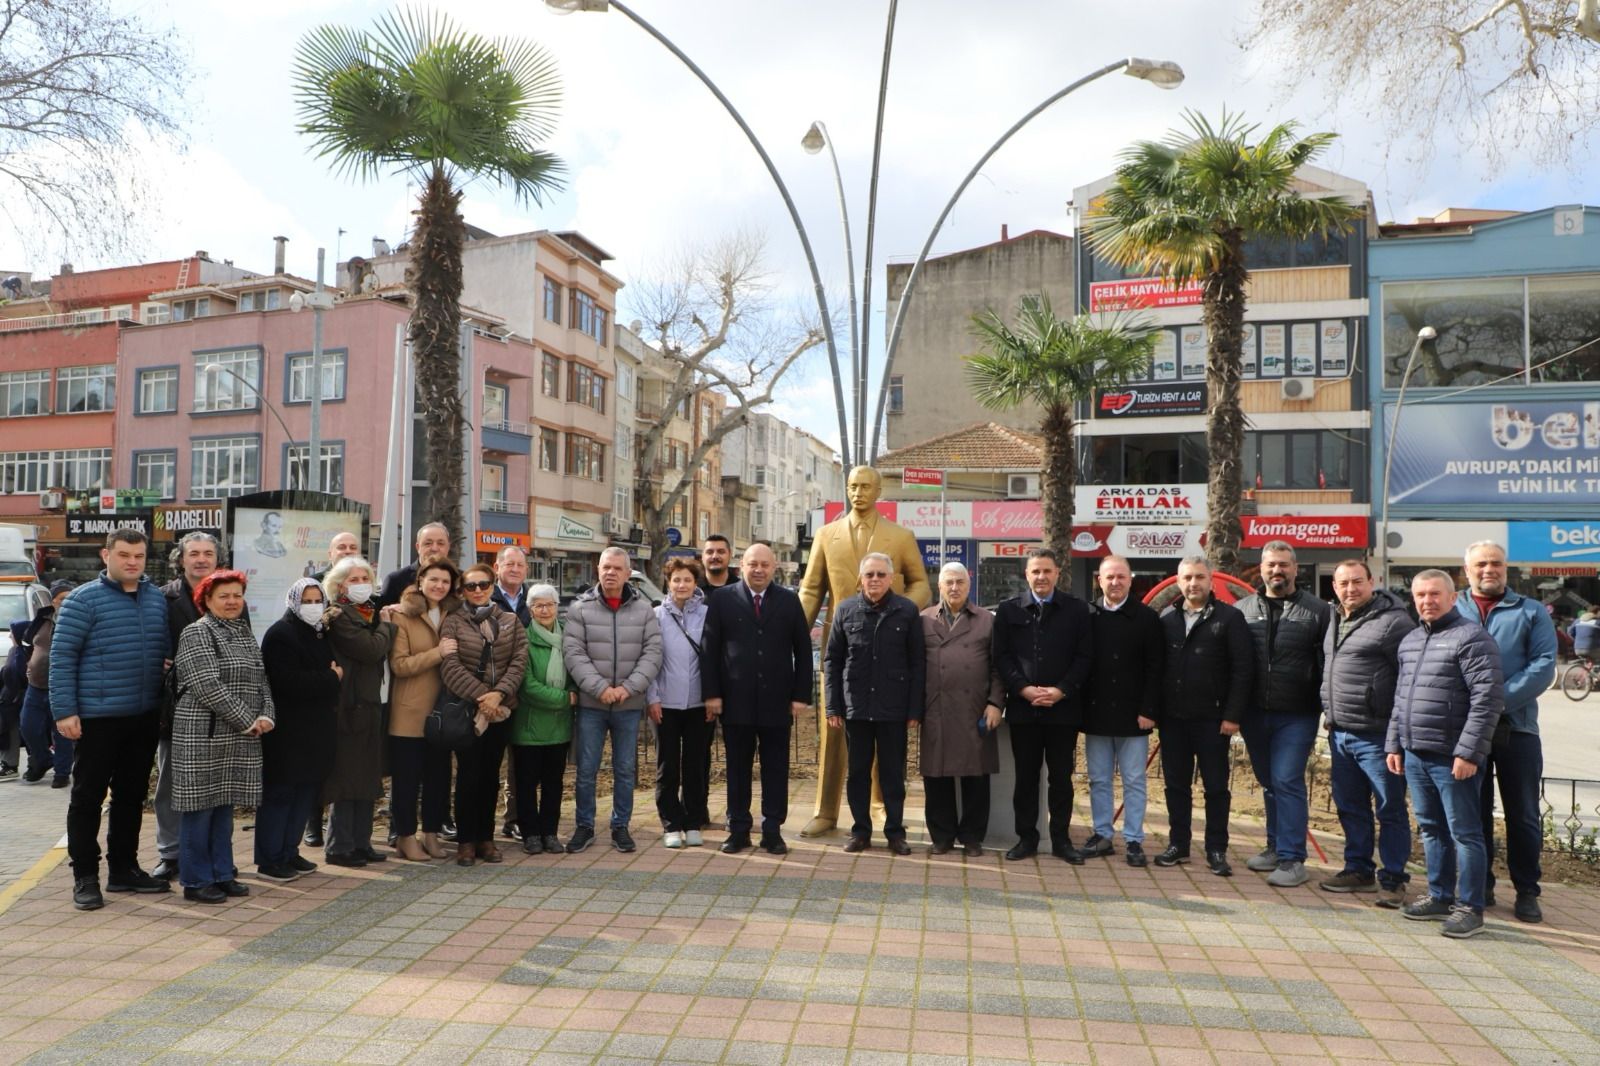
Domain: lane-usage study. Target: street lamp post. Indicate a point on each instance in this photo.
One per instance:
(1161, 73)
(218, 368)
(1426, 333)
(814, 141)
(319, 301)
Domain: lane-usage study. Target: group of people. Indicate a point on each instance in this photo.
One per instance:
(1438, 703)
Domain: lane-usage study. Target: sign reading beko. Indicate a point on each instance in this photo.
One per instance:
(1131, 401)
(1550, 542)
(1140, 503)
(1496, 452)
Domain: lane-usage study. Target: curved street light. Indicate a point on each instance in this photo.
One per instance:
(1163, 74)
(218, 368)
(814, 141)
(1426, 333)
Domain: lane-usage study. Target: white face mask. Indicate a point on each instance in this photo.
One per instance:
(358, 593)
(311, 613)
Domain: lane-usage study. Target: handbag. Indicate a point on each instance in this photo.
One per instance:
(450, 723)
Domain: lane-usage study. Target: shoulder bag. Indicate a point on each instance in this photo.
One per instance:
(450, 723)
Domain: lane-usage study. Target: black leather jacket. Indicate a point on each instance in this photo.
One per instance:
(1288, 645)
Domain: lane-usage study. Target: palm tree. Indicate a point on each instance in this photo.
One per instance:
(1055, 363)
(417, 96)
(1182, 209)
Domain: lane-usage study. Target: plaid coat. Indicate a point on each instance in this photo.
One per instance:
(222, 688)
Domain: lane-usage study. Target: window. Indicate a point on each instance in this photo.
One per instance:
(158, 390)
(549, 449)
(333, 377)
(224, 466)
(297, 467)
(597, 393)
(624, 380)
(154, 314)
(622, 505)
(1564, 328)
(25, 471)
(24, 392)
(586, 387)
(680, 513)
(599, 321)
(550, 376)
(495, 400)
(227, 381)
(1480, 331)
(761, 477)
(585, 458)
(758, 520)
(184, 310)
(624, 442)
(492, 490)
(552, 302)
(81, 389)
(260, 300)
(705, 525)
(74, 469)
(897, 394)
(708, 413)
(156, 470)
(583, 310)
(1297, 460)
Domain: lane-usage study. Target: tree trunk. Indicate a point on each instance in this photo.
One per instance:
(1222, 311)
(1056, 482)
(434, 280)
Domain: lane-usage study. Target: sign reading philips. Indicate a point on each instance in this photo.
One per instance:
(1551, 542)
(1496, 453)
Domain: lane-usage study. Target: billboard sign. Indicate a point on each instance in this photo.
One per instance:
(275, 547)
(1553, 542)
(1496, 453)
(1140, 503)
(1157, 542)
(1305, 531)
(955, 551)
(96, 527)
(1133, 401)
(1137, 294)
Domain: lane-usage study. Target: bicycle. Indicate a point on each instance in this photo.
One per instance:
(1580, 679)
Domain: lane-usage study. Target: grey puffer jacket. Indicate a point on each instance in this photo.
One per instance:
(1359, 672)
(1450, 692)
(601, 648)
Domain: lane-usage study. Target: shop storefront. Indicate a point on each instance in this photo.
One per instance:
(489, 544)
(566, 548)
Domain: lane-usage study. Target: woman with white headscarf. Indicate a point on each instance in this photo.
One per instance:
(298, 753)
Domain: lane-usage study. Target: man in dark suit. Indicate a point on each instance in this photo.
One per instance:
(433, 542)
(1043, 650)
(756, 675)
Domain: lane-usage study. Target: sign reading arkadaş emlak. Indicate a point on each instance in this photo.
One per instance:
(1495, 453)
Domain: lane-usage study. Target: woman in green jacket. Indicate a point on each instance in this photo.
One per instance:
(541, 728)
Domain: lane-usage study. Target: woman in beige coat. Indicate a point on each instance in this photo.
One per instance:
(417, 768)
(963, 688)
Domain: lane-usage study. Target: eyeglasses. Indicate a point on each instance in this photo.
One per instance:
(876, 573)
(477, 586)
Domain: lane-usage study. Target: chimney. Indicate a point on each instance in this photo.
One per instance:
(277, 255)
(1005, 233)
(66, 268)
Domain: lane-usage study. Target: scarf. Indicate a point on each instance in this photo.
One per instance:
(555, 671)
(367, 610)
(292, 599)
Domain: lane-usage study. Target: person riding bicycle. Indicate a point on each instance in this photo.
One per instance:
(1586, 635)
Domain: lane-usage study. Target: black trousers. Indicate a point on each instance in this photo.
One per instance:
(114, 755)
(417, 769)
(741, 743)
(940, 809)
(1183, 745)
(683, 769)
(887, 742)
(1035, 745)
(478, 784)
(539, 769)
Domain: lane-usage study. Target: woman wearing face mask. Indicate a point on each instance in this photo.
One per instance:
(297, 755)
(493, 680)
(675, 706)
(418, 768)
(224, 706)
(361, 642)
(541, 730)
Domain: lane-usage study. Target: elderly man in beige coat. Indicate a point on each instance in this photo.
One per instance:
(964, 699)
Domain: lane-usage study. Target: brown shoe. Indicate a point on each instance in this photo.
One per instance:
(411, 849)
(466, 854)
(488, 852)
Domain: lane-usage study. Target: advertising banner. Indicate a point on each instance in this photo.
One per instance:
(1305, 531)
(1140, 503)
(1192, 340)
(1008, 520)
(1164, 357)
(96, 527)
(1553, 542)
(1495, 453)
(1335, 348)
(277, 547)
(1157, 542)
(1132, 294)
(955, 551)
(1088, 542)
(177, 520)
(1133, 401)
(922, 477)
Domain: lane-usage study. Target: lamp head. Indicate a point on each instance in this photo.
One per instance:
(297, 302)
(567, 7)
(815, 139)
(214, 368)
(1162, 73)
(1427, 333)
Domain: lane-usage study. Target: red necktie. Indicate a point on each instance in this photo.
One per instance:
(758, 606)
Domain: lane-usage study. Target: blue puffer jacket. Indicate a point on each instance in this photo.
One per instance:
(1526, 637)
(1449, 695)
(116, 672)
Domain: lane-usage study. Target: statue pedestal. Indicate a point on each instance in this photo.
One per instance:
(1002, 819)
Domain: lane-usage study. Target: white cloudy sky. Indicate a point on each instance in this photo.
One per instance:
(653, 162)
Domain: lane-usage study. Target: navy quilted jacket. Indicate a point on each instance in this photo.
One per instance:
(108, 651)
(1450, 693)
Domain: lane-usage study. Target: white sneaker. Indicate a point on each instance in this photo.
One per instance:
(693, 838)
(673, 839)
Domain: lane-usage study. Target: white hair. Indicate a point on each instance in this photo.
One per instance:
(1466, 556)
(870, 556)
(954, 568)
(543, 592)
(614, 550)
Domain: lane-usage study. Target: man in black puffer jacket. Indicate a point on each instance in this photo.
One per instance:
(1448, 699)
(1287, 626)
(1360, 663)
(1210, 669)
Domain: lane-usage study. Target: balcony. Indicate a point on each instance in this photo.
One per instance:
(94, 317)
(503, 516)
(508, 438)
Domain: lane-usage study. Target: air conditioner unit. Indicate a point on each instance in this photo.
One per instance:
(1023, 487)
(615, 525)
(1297, 388)
(52, 501)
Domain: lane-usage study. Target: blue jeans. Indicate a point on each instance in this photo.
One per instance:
(1361, 777)
(1449, 816)
(45, 742)
(280, 819)
(594, 725)
(1279, 745)
(1127, 755)
(1519, 764)
(205, 847)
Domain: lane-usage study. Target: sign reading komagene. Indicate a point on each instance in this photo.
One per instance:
(1305, 531)
(1140, 503)
(1132, 401)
